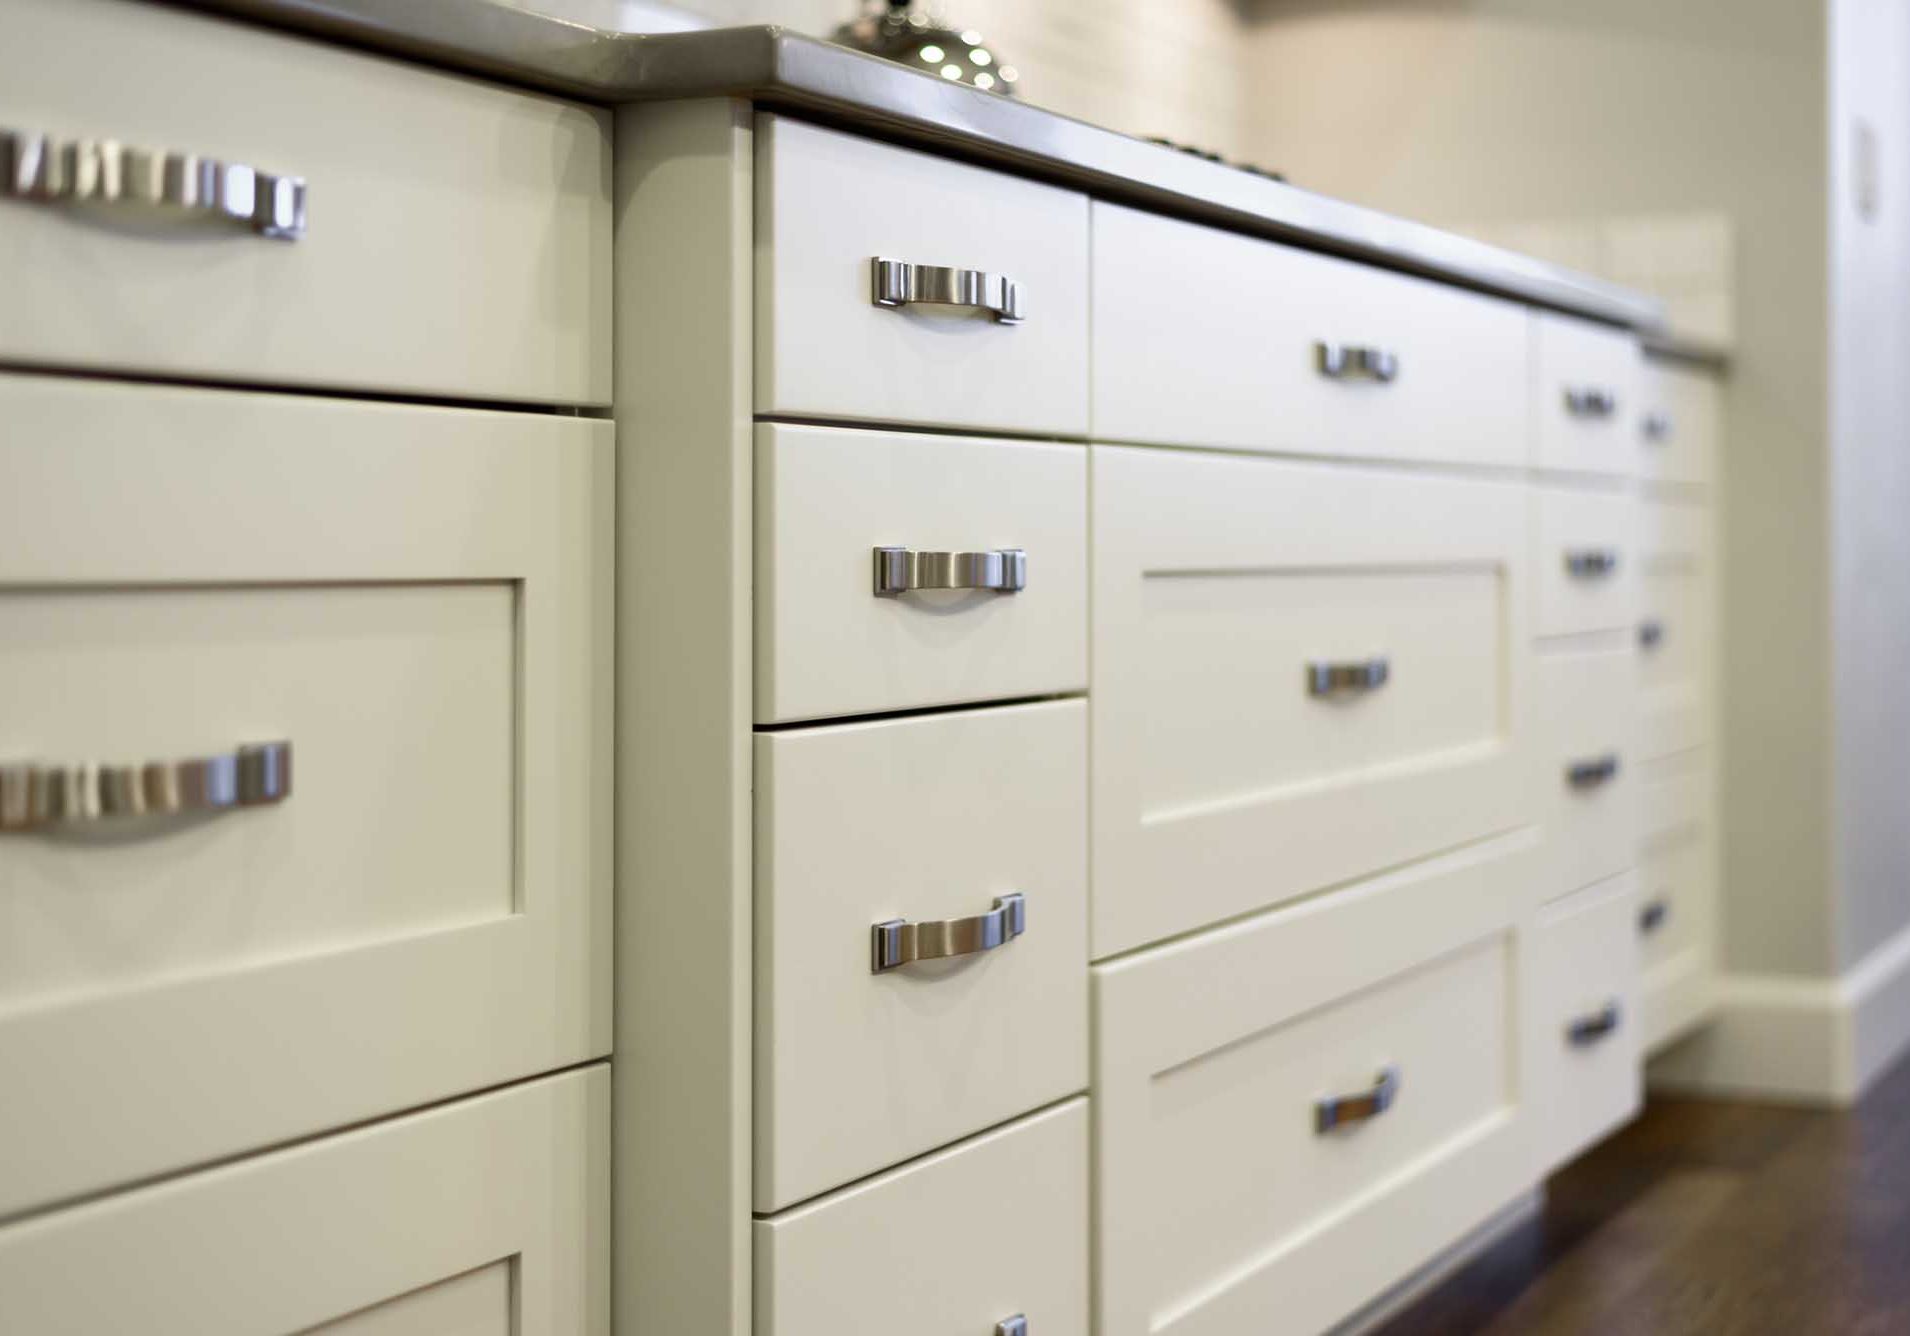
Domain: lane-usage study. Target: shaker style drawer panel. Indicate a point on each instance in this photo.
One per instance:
(921, 916)
(486, 1216)
(961, 1243)
(1682, 411)
(979, 591)
(1675, 627)
(1296, 1111)
(1585, 1076)
(1284, 699)
(1588, 701)
(1587, 560)
(1590, 409)
(1205, 337)
(979, 318)
(456, 235)
(406, 895)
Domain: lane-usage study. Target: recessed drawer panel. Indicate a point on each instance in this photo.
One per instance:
(1295, 1111)
(959, 1243)
(1586, 1050)
(1206, 337)
(979, 318)
(1588, 703)
(409, 901)
(456, 240)
(1590, 409)
(993, 532)
(1682, 411)
(1587, 574)
(1283, 699)
(875, 1043)
(491, 1215)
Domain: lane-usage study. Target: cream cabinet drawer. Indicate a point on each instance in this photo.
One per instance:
(413, 600)
(1682, 413)
(864, 1055)
(1675, 626)
(1295, 1111)
(1589, 403)
(1284, 699)
(1674, 886)
(1205, 337)
(1588, 704)
(486, 1216)
(1674, 793)
(830, 206)
(1587, 560)
(1007, 520)
(1586, 1050)
(957, 1244)
(457, 240)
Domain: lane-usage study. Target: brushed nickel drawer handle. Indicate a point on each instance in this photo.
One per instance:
(1592, 563)
(1347, 361)
(1651, 634)
(897, 283)
(1657, 427)
(1584, 1031)
(104, 171)
(1590, 401)
(1653, 915)
(897, 942)
(1589, 774)
(1333, 1111)
(898, 570)
(35, 797)
(1012, 1326)
(1358, 675)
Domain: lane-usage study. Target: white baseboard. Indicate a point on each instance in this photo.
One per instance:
(1811, 1041)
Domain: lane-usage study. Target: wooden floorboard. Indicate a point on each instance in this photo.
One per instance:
(1727, 1219)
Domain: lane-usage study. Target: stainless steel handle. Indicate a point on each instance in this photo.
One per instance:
(1332, 1111)
(35, 797)
(1347, 361)
(898, 570)
(1327, 679)
(1653, 914)
(1584, 1031)
(1591, 563)
(1651, 634)
(1657, 427)
(1592, 401)
(105, 172)
(897, 283)
(1590, 773)
(1012, 1326)
(898, 942)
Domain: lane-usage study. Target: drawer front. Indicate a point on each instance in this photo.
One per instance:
(1588, 704)
(491, 1215)
(1590, 417)
(1674, 793)
(952, 1245)
(1675, 626)
(857, 1068)
(1231, 1195)
(829, 205)
(1586, 1051)
(1674, 887)
(1205, 337)
(458, 239)
(1222, 767)
(828, 643)
(1683, 410)
(1587, 574)
(413, 600)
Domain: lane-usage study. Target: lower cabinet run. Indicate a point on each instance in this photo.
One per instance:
(488, 1215)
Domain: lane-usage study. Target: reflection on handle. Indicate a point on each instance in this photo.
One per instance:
(1589, 774)
(1584, 1031)
(1651, 634)
(897, 942)
(898, 570)
(897, 283)
(1333, 1111)
(1591, 563)
(1359, 675)
(1347, 361)
(1590, 401)
(1012, 1326)
(36, 797)
(1653, 915)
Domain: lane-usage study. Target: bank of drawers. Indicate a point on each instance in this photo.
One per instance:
(456, 240)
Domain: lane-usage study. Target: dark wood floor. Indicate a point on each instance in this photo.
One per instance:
(1707, 1217)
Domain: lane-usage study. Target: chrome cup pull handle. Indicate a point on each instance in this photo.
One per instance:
(1012, 1326)
(1591, 563)
(38, 797)
(182, 185)
(900, 570)
(1592, 772)
(1584, 1031)
(1354, 676)
(1349, 361)
(1652, 916)
(1590, 401)
(897, 942)
(897, 283)
(1657, 427)
(1331, 1111)
(1651, 634)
